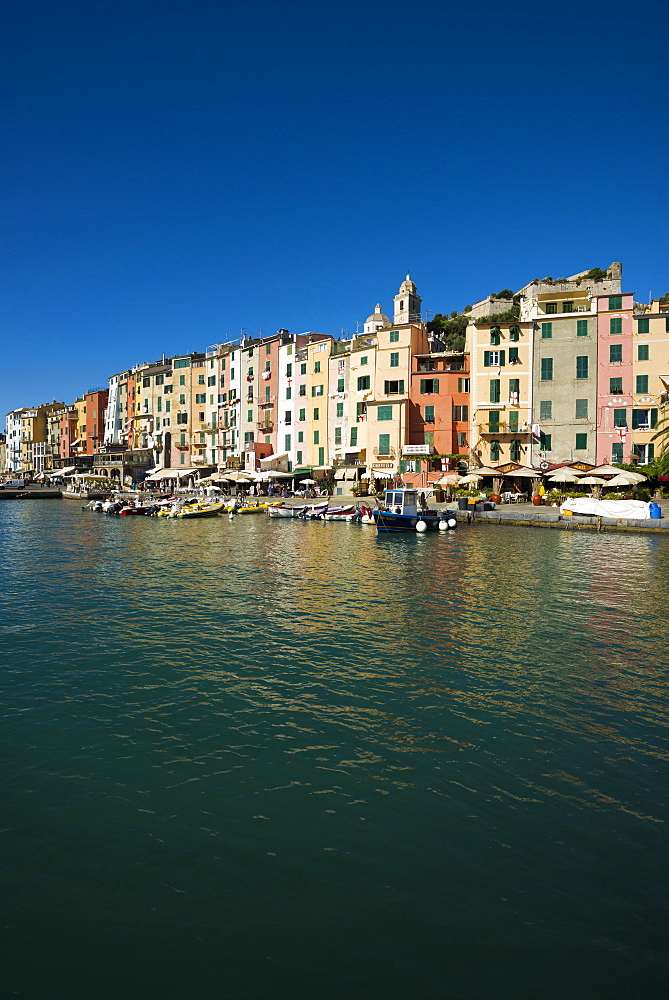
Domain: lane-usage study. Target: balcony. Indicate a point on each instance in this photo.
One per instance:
(520, 430)
(265, 428)
(418, 449)
(266, 404)
(385, 454)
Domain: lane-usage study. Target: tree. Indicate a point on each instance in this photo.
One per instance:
(449, 329)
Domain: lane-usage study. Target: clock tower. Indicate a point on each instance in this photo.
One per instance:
(407, 303)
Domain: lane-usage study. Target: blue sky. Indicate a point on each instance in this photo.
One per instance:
(178, 170)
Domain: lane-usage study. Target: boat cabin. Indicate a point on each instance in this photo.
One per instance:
(402, 502)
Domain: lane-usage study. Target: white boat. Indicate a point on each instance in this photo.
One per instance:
(305, 510)
(340, 513)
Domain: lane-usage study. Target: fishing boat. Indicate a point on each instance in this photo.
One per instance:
(401, 512)
(286, 510)
(343, 513)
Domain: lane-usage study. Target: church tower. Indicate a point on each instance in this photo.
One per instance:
(407, 303)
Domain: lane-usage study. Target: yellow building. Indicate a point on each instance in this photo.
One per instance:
(501, 380)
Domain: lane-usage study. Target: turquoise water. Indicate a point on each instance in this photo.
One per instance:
(269, 759)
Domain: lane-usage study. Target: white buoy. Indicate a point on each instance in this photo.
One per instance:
(421, 526)
(443, 525)
(452, 522)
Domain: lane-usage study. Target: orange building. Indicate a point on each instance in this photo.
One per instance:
(438, 416)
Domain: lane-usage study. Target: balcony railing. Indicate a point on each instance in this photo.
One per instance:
(266, 404)
(504, 428)
(265, 428)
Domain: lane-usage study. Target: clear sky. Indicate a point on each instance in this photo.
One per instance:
(175, 171)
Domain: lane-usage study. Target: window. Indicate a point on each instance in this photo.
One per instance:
(340, 385)
(428, 414)
(545, 442)
(616, 325)
(200, 398)
(168, 389)
(268, 365)
(317, 413)
(643, 325)
(317, 437)
(642, 383)
(363, 383)
(288, 417)
(493, 421)
(182, 380)
(317, 367)
(363, 360)
(321, 455)
(394, 359)
(182, 418)
(159, 380)
(303, 415)
(514, 390)
(384, 413)
(182, 399)
(360, 411)
(354, 435)
(168, 406)
(303, 369)
(384, 444)
(461, 439)
(463, 385)
(615, 353)
(289, 393)
(317, 390)
(551, 307)
(546, 409)
(514, 333)
(514, 452)
(146, 382)
(249, 416)
(394, 336)
(495, 336)
(429, 385)
(616, 451)
(493, 359)
(615, 301)
(644, 419)
(200, 379)
(393, 387)
(513, 420)
(567, 307)
(211, 380)
(302, 390)
(183, 363)
(340, 410)
(581, 328)
(459, 412)
(546, 369)
(300, 437)
(268, 348)
(642, 352)
(513, 356)
(581, 409)
(615, 386)
(495, 451)
(337, 435)
(159, 403)
(582, 367)
(581, 442)
(546, 331)
(289, 370)
(299, 458)
(495, 386)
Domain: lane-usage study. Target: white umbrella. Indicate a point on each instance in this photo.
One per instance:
(452, 479)
(605, 470)
(626, 479)
(471, 478)
(236, 477)
(593, 481)
(307, 482)
(564, 476)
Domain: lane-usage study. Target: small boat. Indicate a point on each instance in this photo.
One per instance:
(339, 513)
(401, 512)
(200, 510)
(285, 510)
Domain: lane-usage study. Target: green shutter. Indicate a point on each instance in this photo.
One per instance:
(502, 356)
(546, 331)
(653, 417)
(643, 325)
(384, 444)
(513, 354)
(581, 328)
(486, 359)
(642, 352)
(635, 420)
(422, 384)
(642, 383)
(615, 325)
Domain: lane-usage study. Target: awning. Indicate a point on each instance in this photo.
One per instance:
(73, 444)
(351, 474)
(340, 474)
(274, 458)
(322, 468)
(63, 472)
(164, 474)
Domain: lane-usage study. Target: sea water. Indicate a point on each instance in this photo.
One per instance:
(275, 759)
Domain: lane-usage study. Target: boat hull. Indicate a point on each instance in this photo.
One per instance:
(387, 522)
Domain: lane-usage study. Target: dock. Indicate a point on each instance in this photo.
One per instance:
(529, 516)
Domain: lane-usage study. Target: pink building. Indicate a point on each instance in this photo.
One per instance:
(615, 315)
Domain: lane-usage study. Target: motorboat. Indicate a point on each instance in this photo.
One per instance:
(343, 513)
(402, 511)
(204, 509)
(286, 510)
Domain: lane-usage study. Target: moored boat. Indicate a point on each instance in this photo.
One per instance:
(401, 512)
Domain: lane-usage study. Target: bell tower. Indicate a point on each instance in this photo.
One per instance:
(407, 303)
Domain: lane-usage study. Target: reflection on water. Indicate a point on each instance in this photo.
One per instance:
(286, 759)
